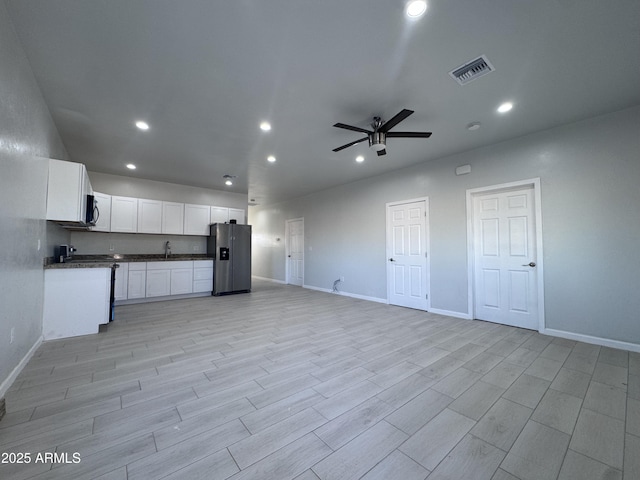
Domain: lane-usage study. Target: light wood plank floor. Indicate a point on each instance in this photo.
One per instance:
(289, 383)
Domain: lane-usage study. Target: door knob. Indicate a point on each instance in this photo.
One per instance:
(391, 260)
(530, 264)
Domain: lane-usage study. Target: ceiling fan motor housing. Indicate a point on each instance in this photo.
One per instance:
(377, 140)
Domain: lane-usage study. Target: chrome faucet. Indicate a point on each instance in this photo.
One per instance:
(167, 249)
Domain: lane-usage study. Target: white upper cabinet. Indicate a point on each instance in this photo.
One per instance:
(149, 216)
(103, 202)
(67, 191)
(196, 219)
(124, 214)
(219, 214)
(237, 214)
(173, 218)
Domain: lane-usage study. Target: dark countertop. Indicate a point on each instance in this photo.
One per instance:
(106, 261)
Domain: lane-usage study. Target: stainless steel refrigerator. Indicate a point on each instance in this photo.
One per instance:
(230, 245)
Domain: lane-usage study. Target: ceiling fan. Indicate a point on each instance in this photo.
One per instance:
(378, 137)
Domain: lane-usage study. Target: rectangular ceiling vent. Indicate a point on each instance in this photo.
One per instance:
(472, 70)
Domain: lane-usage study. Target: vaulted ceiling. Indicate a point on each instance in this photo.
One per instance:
(205, 74)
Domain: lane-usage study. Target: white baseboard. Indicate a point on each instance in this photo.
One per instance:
(449, 313)
(604, 342)
(269, 279)
(6, 384)
(347, 294)
(133, 301)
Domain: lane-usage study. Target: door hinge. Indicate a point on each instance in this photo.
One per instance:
(426, 296)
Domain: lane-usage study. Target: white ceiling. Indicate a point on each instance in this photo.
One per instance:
(204, 74)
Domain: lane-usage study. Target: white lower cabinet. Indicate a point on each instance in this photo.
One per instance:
(169, 278)
(158, 282)
(122, 282)
(64, 318)
(140, 280)
(202, 276)
(181, 281)
(137, 283)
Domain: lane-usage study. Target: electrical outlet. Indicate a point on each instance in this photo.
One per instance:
(196, 248)
(12, 337)
(111, 247)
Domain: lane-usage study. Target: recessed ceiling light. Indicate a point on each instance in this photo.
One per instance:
(473, 126)
(271, 158)
(505, 107)
(359, 159)
(131, 166)
(142, 125)
(228, 179)
(265, 126)
(416, 8)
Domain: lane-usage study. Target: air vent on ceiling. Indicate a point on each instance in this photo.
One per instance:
(472, 70)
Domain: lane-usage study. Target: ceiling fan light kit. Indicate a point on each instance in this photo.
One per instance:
(378, 136)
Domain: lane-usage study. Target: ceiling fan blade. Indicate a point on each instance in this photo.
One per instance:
(350, 144)
(409, 134)
(382, 152)
(392, 122)
(349, 127)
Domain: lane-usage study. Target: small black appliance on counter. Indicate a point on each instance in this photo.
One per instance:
(63, 253)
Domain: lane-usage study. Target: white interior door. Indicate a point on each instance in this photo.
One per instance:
(295, 251)
(505, 273)
(407, 269)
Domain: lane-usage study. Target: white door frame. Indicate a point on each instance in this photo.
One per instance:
(427, 245)
(471, 193)
(287, 228)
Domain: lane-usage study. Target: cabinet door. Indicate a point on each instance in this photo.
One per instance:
(219, 214)
(173, 218)
(202, 276)
(196, 219)
(136, 286)
(65, 191)
(237, 214)
(103, 202)
(181, 281)
(63, 317)
(124, 214)
(122, 281)
(149, 216)
(158, 283)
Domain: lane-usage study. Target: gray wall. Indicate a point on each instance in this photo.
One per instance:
(89, 243)
(27, 134)
(589, 175)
